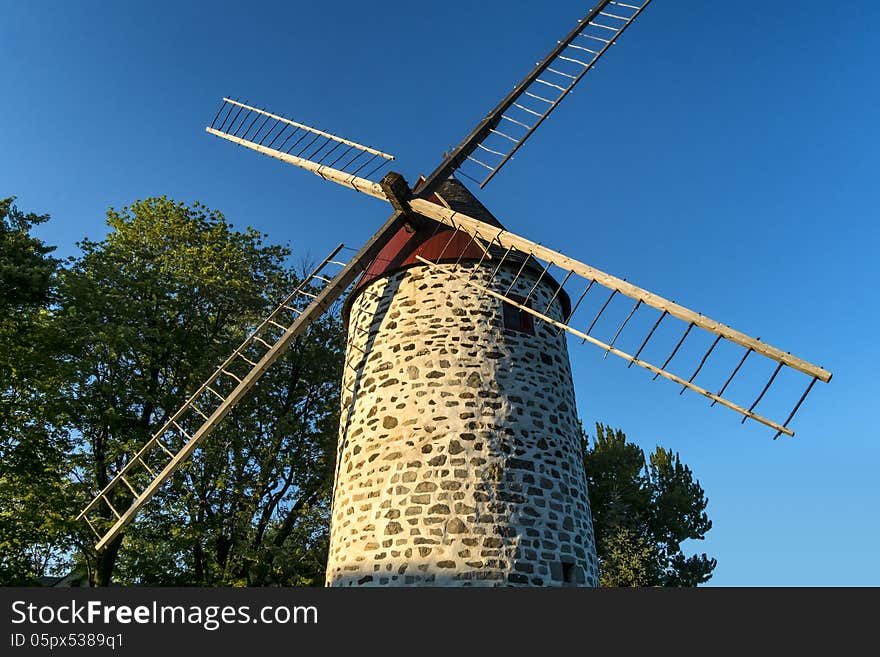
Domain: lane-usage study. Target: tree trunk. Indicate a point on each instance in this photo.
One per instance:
(105, 563)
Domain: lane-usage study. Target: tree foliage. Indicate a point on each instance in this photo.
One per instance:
(137, 321)
(150, 311)
(34, 498)
(643, 510)
(26, 268)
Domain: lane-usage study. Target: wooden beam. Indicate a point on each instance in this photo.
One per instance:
(505, 239)
(362, 185)
(397, 191)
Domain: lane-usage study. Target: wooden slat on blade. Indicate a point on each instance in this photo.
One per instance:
(506, 239)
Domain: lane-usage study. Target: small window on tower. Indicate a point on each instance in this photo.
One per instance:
(573, 573)
(517, 319)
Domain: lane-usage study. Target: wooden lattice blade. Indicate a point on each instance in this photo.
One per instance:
(506, 128)
(326, 155)
(202, 418)
(504, 242)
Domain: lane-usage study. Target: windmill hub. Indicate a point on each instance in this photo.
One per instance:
(397, 191)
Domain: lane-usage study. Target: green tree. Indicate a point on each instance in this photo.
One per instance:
(149, 311)
(34, 496)
(643, 510)
(26, 268)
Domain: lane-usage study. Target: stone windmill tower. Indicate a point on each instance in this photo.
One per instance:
(459, 446)
(459, 458)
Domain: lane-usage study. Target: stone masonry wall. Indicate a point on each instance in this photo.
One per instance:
(459, 459)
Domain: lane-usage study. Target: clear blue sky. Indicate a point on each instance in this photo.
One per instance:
(724, 158)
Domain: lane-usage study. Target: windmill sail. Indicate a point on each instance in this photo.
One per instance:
(506, 128)
(502, 246)
(326, 155)
(116, 505)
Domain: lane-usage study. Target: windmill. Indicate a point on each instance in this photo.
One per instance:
(458, 455)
